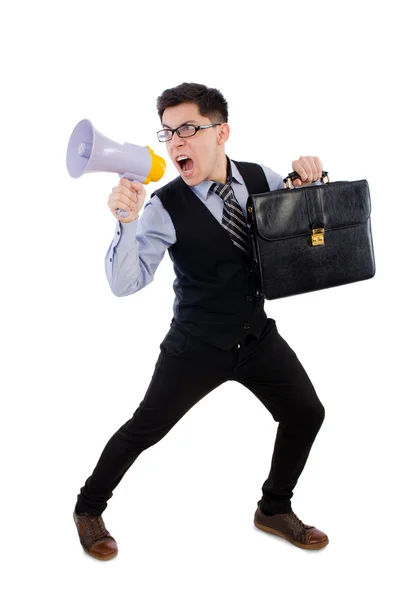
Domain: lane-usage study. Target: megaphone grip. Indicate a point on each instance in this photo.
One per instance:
(131, 177)
(122, 213)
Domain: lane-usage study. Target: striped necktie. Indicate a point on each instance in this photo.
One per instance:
(232, 217)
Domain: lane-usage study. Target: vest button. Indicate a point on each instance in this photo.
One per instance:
(248, 298)
(247, 325)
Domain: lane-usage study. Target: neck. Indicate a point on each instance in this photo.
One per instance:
(219, 173)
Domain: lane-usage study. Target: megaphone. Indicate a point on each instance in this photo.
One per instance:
(90, 151)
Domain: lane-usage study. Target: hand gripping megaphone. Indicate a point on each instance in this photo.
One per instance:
(90, 151)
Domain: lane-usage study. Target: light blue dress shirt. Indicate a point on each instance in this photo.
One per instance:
(139, 246)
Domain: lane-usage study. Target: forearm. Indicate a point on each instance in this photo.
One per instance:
(122, 260)
(138, 248)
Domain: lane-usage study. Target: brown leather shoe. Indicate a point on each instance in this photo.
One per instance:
(291, 528)
(94, 537)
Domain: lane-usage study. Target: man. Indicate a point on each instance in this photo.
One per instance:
(220, 331)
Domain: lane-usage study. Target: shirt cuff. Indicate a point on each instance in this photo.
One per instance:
(126, 235)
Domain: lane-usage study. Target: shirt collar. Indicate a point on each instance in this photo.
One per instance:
(203, 188)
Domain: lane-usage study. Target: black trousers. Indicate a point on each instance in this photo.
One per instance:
(187, 370)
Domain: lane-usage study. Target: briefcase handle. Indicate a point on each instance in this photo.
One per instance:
(294, 175)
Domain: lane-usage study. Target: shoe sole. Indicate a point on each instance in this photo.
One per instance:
(316, 546)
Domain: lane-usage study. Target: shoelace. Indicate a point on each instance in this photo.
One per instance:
(97, 527)
(296, 521)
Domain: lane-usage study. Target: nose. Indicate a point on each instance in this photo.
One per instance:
(176, 141)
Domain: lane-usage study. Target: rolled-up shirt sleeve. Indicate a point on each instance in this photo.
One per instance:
(138, 248)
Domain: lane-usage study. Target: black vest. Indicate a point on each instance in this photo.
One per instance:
(216, 293)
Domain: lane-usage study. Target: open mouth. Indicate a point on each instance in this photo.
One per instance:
(185, 163)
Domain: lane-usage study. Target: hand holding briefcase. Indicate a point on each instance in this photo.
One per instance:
(310, 238)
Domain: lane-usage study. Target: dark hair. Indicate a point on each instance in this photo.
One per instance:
(210, 101)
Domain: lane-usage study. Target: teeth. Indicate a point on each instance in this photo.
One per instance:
(182, 158)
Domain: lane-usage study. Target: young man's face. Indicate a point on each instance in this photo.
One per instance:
(205, 149)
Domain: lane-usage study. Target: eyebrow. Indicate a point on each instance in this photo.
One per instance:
(185, 123)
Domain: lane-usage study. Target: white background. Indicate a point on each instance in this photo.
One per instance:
(302, 78)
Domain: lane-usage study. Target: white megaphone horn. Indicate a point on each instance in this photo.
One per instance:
(90, 151)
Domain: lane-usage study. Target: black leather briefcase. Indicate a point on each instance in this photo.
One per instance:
(305, 239)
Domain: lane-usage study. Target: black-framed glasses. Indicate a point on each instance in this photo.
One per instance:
(183, 131)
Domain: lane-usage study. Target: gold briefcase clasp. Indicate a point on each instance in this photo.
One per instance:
(318, 237)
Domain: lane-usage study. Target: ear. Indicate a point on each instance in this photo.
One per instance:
(223, 133)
